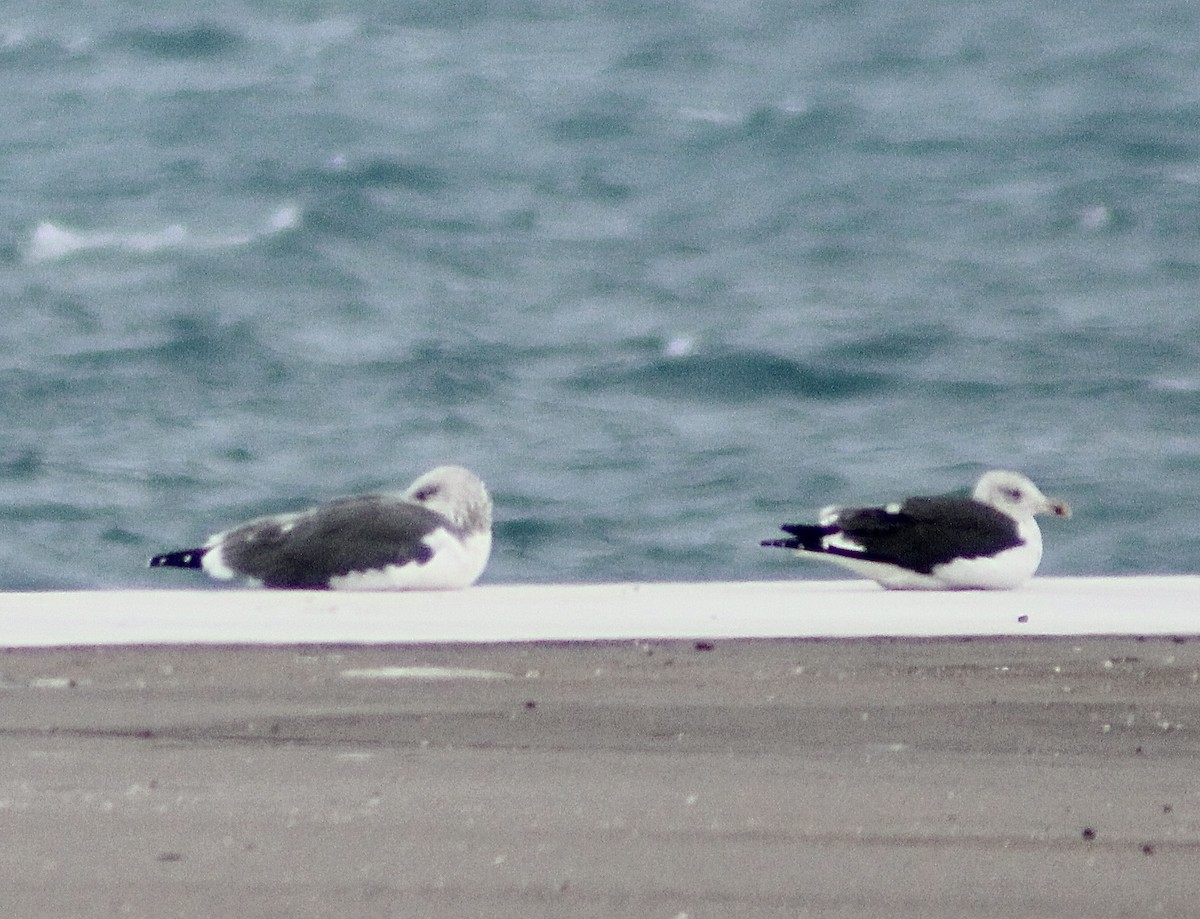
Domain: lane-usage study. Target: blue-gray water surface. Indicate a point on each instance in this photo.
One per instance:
(666, 275)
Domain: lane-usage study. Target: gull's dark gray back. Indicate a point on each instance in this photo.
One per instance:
(925, 532)
(350, 534)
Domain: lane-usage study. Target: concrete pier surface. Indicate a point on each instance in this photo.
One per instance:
(596, 612)
(705, 776)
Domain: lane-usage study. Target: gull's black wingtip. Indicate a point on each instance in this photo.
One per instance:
(184, 558)
(801, 536)
(781, 543)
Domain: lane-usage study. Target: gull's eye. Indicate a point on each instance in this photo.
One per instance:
(1013, 493)
(426, 493)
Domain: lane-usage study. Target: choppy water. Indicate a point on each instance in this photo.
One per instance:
(664, 274)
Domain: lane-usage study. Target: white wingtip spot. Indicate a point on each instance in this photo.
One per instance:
(828, 515)
(841, 541)
(214, 564)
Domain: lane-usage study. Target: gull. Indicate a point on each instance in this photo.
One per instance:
(434, 535)
(989, 541)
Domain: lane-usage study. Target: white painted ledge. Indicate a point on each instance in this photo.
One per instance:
(590, 612)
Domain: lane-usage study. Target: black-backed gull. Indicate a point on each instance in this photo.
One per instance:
(989, 541)
(434, 535)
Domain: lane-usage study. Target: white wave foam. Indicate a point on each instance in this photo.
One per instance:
(51, 242)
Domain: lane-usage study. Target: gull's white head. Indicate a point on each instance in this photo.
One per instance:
(455, 493)
(1016, 496)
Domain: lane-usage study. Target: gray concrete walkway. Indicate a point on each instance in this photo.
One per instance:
(904, 778)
